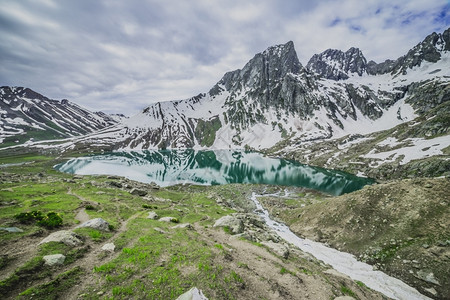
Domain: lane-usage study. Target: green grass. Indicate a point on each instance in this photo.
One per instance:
(54, 288)
(347, 291)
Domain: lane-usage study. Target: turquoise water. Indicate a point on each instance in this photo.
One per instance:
(169, 167)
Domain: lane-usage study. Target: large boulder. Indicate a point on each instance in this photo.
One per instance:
(152, 215)
(97, 223)
(109, 247)
(233, 223)
(193, 294)
(63, 236)
(138, 192)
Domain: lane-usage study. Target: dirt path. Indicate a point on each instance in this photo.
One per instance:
(94, 258)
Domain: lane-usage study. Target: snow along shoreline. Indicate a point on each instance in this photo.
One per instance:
(343, 262)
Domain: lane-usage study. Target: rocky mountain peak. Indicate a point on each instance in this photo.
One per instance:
(338, 65)
(266, 68)
(429, 50)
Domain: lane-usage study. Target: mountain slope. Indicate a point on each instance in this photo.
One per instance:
(27, 115)
(274, 100)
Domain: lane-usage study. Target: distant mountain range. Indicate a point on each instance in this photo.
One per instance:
(26, 115)
(272, 101)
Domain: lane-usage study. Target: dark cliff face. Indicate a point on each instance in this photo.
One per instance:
(338, 65)
(272, 79)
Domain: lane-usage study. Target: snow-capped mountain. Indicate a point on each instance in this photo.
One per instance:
(274, 99)
(25, 115)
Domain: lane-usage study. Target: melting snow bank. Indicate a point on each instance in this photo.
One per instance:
(343, 262)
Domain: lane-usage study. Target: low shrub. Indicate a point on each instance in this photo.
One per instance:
(29, 217)
(50, 221)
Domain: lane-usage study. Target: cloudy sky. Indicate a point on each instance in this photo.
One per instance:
(120, 56)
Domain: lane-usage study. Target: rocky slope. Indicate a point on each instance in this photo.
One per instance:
(401, 227)
(29, 116)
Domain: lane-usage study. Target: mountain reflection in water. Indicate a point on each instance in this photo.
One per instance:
(169, 167)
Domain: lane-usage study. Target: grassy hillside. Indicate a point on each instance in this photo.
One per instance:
(152, 259)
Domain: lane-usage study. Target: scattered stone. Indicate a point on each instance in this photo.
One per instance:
(344, 298)
(169, 219)
(63, 236)
(193, 294)
(11, 229)
(138, 192)
(431, 291)
(54, 259)
(100, 293)
(97, 223)
(157, 229)
(428, 277)
(152, 215)
(184, 225)
(443, 243)
(235, 224)
(154, 186)
(109, 247)
(277, 248)
(115, 184)
(113, 177)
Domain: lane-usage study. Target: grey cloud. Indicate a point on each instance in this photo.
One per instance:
(119, 56)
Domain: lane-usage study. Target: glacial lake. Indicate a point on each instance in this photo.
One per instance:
(208, 167)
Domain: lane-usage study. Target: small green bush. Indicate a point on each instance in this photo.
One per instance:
(149, 206)
(52, 220)
(29, 217)
(89, 207)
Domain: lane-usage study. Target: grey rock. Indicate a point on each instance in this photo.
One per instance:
(154, 186)
(115, 184)
(138, 192)
(63, 236)
(184, 225)
(11, 229)
(235, 224)
(344, 298)
(109, 247)
(152, 215)
(428, 277)
(431, 291)
(54, 259)
(169, 219)
(97, 223)
(193, 294)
